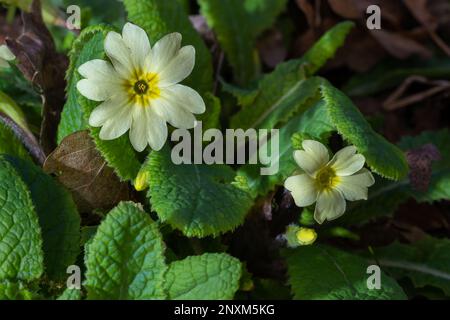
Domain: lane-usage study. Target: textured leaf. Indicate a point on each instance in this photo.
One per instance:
(210, 276)
(58, 218)
(325, 273)
(199, 200)
(237, 24)
(118, 153)
(381, 156)
(80, 167)
(70, 294)
(284, 88)
(426, 262)
(21, 254)
(14, 291)
(125, 260)
(160, 17)
(9, 144)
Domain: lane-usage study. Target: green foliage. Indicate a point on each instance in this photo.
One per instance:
(237, 24)
(160, 17)
(58, 217)
(21, 256)
(125, 260)
(70, 294)
(9, 144)
(206, 277)
(199, 200)
(325, 273)
(381, 156)
(14, 291)
(425, 262)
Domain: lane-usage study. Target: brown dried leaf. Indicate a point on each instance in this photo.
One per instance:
(346, 8)
(419, 161)
(400, 46)
(79, 166)
(44, 67)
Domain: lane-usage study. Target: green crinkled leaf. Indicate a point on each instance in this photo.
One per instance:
(211, 118)
(382, 157)
(9, 144)
(160, 17)
(425, 262)
(88, 46)
(70, 294)
(210, 276)
(325, 273)
(385, 195)
(118, 153)
(21, 256)
(314, 122)
(14, 291)
(199, 200)
(237, 24)
(58, 217)
(125, 260)
(281, 88)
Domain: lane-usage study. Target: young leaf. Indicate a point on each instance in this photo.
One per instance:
(160, 17)
(237, 24)
(125, 260)
(199, 200)
(58, 217)
(325, 273)
(70, 294)
(211, 276)
(21, 255)
(280, 88)
(425, 262)
(381, 156)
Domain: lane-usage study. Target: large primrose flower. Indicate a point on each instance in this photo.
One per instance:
(140, 90)
(5, 56)
(328, 182)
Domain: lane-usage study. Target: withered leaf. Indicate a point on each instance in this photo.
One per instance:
(420, 161)
(44, 67)
(81, 168)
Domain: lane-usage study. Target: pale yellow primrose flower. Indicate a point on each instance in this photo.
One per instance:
(306, 236)
(5, 56)
(328, 183)
(140, 90)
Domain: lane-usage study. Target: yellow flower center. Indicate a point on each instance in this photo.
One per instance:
(326, 178)
(306, 236)
(143, 88)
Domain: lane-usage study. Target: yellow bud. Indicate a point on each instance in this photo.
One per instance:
(141, 181)
(306, 236)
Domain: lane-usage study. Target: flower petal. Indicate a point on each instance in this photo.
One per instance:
(6, 54)
(97, 91)
(107, 110)
(137, 41)
(119, 54)
(116, 126)
(345, 162)
(138, 130)
(330, 205)
(164, 51)
(317, 150)
(302, 188)
(354, 187)
(314, 156)
(179, 67)
(184, 97)
(175, 115)
(101, 71)
(3, 63)
(156, 129)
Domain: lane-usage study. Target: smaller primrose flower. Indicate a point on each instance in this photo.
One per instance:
(139, 88)
(328, 183)
(5, 56)
(299, 236)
